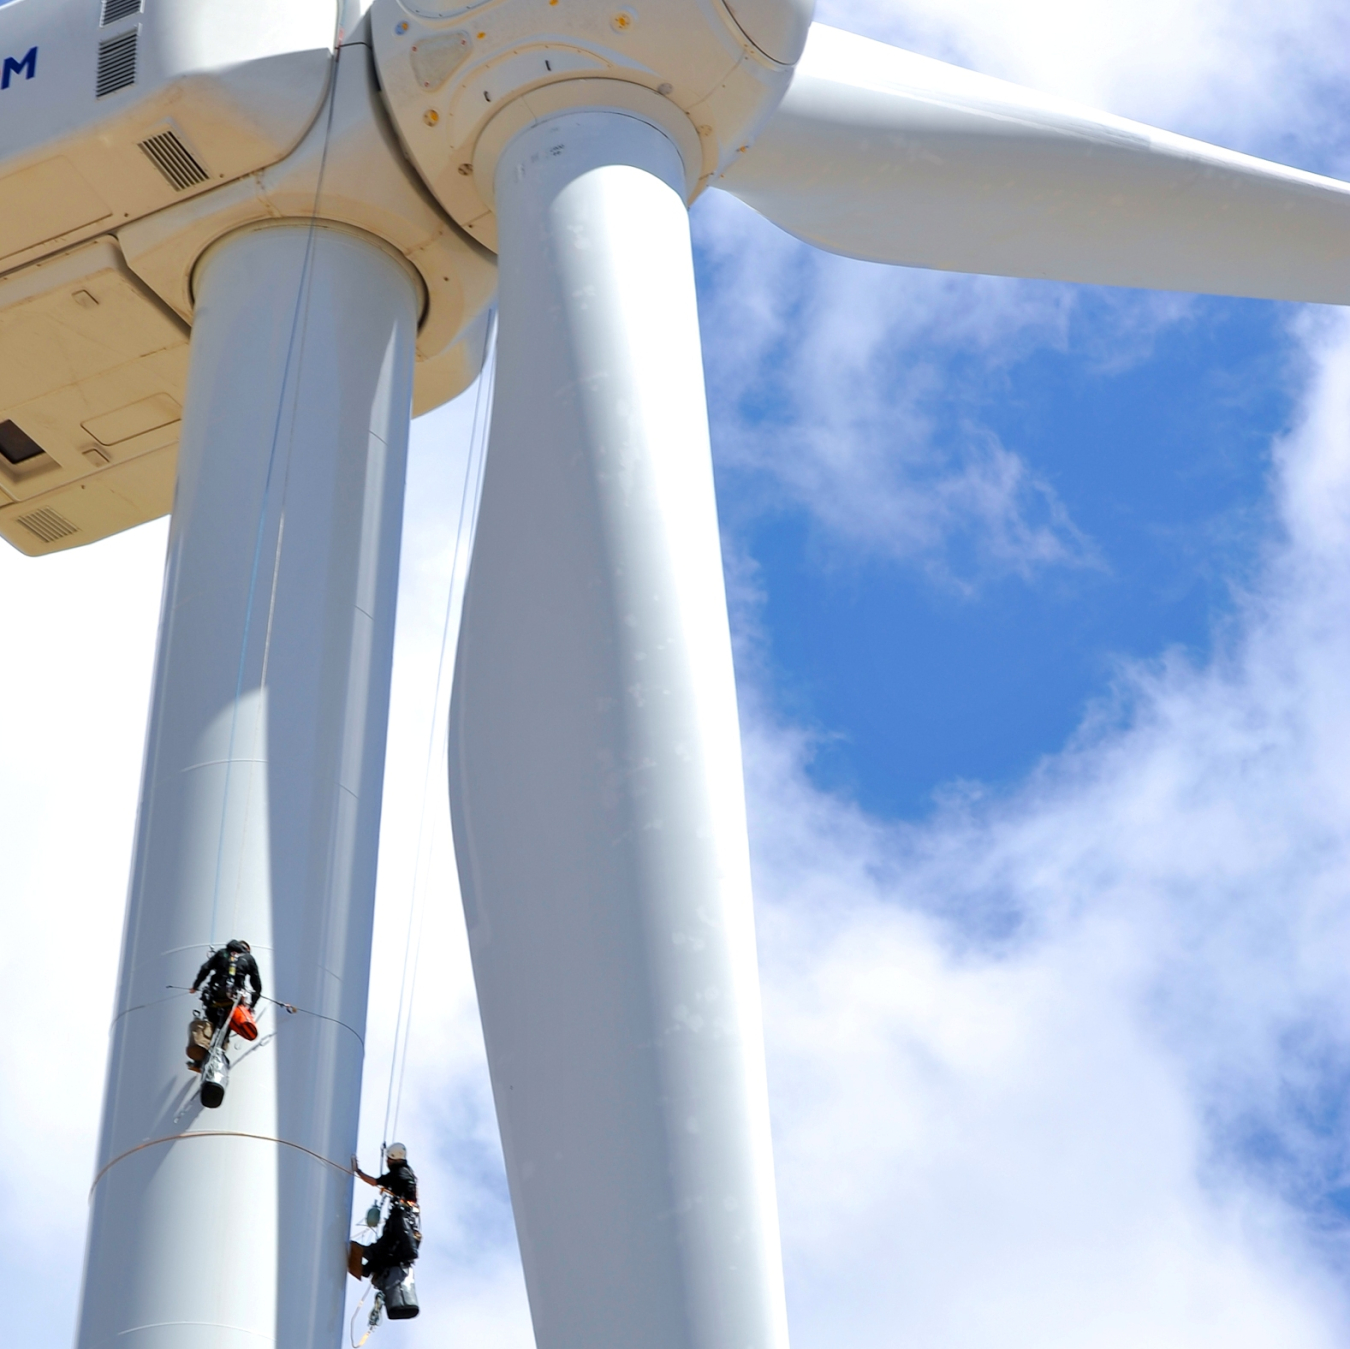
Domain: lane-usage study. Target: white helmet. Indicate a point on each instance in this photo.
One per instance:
(396, 1152)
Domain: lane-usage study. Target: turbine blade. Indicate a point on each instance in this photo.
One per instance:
(260, 802)
(880, 154)
(595, 773)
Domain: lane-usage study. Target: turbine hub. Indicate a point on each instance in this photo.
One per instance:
(461, 79)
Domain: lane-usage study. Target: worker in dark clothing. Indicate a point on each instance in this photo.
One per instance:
(398, 1243)
(400, 1180)
(222, 978)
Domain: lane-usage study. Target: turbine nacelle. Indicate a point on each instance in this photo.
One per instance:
(109, 113)
(94, 329)
(112, 109)
(136, 133)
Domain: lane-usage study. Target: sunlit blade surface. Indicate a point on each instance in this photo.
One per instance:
(260, 810)
(880, 154)
(595, 774)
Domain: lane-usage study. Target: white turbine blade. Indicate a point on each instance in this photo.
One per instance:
(880, 154)
(260, 804)
(595, 773)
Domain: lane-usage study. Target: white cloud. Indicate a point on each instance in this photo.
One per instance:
(1254, 75)
(831, 382)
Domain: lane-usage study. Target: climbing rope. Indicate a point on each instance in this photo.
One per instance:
(299, 327)
(412, 947)
(374, 1317)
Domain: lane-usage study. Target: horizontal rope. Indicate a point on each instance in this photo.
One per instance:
(218, 1133)
(141, 1006)
(262, 997)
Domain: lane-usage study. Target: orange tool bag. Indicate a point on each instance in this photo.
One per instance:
(243, 1024)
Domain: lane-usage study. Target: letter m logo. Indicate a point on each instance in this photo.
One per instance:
(26, 67)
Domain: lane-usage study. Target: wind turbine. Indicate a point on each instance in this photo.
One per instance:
(240, 242)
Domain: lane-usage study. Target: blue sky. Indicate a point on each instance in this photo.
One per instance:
(1041, 598)
(1152, 464)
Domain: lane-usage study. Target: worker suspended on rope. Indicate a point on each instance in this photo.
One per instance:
(224, 973)
(388, 1260)
(224, 980)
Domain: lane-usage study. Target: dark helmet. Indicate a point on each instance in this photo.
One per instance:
(238, 947)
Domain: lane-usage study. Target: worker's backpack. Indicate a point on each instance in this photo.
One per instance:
(199, 1038)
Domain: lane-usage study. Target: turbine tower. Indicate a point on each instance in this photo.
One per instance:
(240, 243)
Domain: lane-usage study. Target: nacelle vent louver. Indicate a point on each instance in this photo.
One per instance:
(116, 63)
(113, 10)
(174, 160)
(48, 525)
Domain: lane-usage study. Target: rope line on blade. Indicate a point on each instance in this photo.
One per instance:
(470, 494)
(216, 1133)
(300, 310)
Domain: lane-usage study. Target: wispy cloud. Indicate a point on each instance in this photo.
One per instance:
(839, 388)
(1250, 74)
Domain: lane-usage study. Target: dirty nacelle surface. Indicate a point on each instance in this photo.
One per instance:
(135, 133)
(111, 110)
